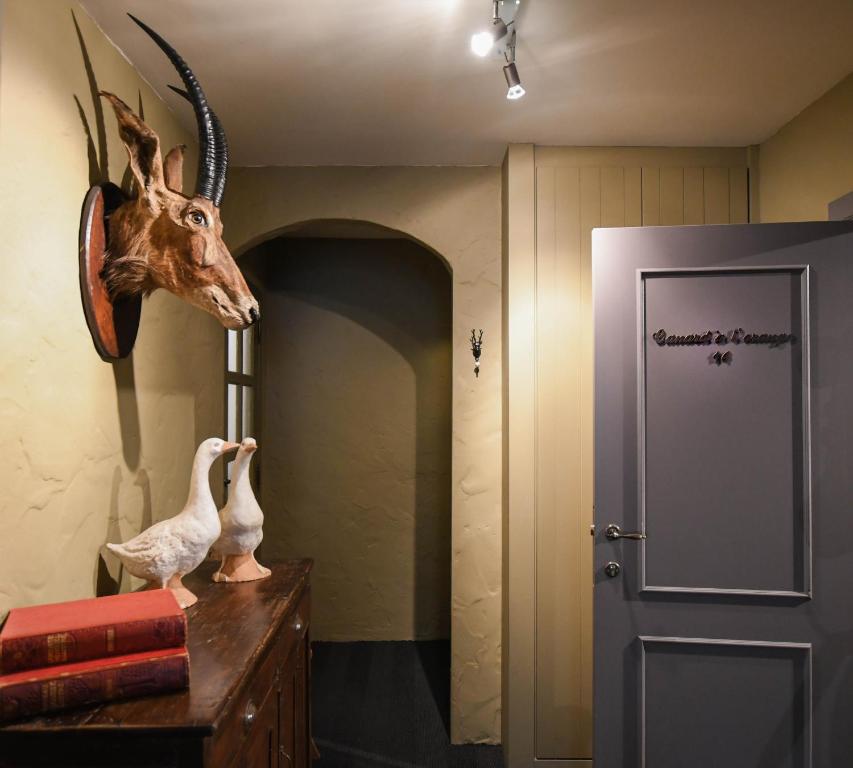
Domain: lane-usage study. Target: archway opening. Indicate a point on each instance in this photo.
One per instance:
(355, 423)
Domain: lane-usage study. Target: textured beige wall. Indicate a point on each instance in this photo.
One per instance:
(456, 212)
(356, 434)
(809, 162)
(91, 451)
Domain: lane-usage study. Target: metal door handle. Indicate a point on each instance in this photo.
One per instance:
(614, 532)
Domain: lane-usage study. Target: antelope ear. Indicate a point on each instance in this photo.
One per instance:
(143, 148)
(173, 168)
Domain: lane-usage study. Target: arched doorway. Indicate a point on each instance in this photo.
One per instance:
(454, 213)
(355, 396)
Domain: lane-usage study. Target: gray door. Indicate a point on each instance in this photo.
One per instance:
(724, 435)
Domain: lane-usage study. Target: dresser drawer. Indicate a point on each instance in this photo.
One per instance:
(294, 628)
(242, 719)
(260, 747)
(246, 725)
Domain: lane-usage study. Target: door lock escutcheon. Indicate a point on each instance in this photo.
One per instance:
(612, 569)
(614, 532)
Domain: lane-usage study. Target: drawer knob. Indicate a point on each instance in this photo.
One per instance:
(297, 625)
(250, 715)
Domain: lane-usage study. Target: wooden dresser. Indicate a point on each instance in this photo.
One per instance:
(248, 705)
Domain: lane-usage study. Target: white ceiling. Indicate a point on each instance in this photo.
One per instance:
(393, 82)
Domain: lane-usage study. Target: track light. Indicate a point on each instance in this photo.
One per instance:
(515, 89)
(501, 39)
(484, 41)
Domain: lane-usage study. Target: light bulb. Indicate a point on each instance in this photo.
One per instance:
(482, 43)
(513, 80)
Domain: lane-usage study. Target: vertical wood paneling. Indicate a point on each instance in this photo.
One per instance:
(612, 197)
(571, 201)
(569, 231)
(591, 217)
(671, 196)
(716, 190)
(560, 309)
(694, 196)
(519, 480)
(753, 183)
(550, 630)
(651, 197)
(633, 197)
(738, 196)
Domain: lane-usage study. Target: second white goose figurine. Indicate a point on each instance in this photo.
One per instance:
(242, 524)
(164, 553)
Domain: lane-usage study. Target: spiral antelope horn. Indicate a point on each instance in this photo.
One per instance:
(208, 185)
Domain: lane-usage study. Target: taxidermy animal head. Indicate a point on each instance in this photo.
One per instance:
(163, 238)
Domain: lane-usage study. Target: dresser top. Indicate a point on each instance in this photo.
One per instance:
(230, 628)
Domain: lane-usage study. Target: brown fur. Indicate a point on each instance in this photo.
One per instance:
(164, 239)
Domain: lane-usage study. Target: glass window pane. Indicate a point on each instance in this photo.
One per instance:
(232, 350)
(248, 349)
(248, 411)
(231, 413)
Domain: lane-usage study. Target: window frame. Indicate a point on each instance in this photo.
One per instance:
(241, 380)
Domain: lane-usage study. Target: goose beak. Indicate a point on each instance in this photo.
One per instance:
(230, 447)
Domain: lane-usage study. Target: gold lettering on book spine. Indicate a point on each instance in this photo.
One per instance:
(53, 694)
(111, 639)
(57, 648)
(110, 684)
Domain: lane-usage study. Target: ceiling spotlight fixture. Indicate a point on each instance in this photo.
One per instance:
(500, 40)
(515, 89)
(483, 42)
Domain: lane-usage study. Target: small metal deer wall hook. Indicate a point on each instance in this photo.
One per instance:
(476, 350)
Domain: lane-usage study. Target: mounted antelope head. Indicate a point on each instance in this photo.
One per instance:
(163, 238)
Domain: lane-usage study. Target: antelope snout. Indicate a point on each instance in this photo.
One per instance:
(250, 312)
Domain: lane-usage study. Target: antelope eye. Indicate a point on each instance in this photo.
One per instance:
(198, 218)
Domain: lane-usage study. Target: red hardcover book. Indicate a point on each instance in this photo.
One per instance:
(61, 633)
(36, 691)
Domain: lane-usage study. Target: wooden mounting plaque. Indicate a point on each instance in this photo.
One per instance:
(113, 325)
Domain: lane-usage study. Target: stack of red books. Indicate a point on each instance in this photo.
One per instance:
(89, 651)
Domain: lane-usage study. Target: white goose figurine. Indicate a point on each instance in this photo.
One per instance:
(164, 553)
(242, 524)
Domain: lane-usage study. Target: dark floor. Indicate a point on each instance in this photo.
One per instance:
(382, 704)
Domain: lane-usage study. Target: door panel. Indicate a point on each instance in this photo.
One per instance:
(738, 363)
(724, 637)
(756, 695)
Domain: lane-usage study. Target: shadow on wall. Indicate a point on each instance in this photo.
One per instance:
(107, 580)
(356, 416)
